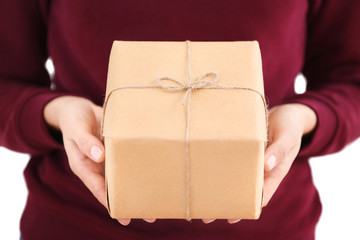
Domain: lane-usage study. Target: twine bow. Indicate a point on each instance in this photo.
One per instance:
(199, 83)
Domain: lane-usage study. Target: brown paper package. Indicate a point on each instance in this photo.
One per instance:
(144, 131)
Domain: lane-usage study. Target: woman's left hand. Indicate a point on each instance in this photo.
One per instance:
(288, 123)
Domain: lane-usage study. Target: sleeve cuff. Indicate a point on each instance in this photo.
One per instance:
(32, 125)
(319, 141)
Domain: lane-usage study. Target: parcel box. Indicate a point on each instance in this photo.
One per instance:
(184, 129)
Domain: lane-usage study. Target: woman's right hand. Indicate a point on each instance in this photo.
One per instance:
(79, 121)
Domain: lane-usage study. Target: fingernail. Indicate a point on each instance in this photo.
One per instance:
(124, 222)
(208, 220)
(271, 161)
(231, 221)
(150, 220)
(96, 152)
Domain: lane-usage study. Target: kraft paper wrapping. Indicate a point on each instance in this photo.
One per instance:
(144, 131)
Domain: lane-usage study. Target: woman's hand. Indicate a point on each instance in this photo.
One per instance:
(79, 120)
(288, 123)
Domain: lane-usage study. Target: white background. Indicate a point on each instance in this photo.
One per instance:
(336, 177)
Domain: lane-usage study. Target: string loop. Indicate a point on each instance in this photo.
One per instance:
(197, 84)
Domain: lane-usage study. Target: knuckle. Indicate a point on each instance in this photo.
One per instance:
(82, 142)
(282, 152)
(85, 142)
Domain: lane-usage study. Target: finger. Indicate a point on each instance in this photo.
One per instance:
(279, 158)
(208, 220)
(124, 221)
(284, 137)
(86, 134)
(90, 145)
(285, 147)
(270, 162)
(150, 220)
(98, 112)
(231, 221)
(272, 181)
(89, 172)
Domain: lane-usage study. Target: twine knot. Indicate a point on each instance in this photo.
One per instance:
(197, 84)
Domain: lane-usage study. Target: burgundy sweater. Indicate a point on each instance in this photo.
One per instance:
(320, 38)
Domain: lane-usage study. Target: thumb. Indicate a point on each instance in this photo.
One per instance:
(90, 146)
(283, 148)
(274, 154)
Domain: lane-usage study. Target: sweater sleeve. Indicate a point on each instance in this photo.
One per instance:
(332, 70)
(24, 81)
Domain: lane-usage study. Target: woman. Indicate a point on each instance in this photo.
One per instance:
(57, 120)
